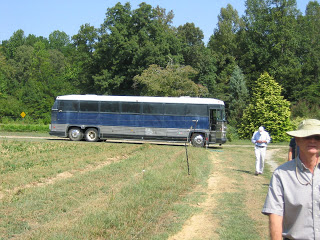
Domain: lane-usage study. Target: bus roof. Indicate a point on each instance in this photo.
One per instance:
(191, 100)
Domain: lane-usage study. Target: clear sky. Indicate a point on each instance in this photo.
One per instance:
(42, 17)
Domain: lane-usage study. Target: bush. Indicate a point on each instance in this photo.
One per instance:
(304, 109)
(232, 133)
(267, 108)
(14, 127)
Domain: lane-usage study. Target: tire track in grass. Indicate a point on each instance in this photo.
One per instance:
(61, 176)
(204, 224)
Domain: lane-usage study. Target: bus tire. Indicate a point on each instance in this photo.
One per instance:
(75, 134)
(91, 135)
(197, 140)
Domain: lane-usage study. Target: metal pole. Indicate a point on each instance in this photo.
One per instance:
(187, 158)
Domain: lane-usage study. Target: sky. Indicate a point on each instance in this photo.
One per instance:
(42, 17)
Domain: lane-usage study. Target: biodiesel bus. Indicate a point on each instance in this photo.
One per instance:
(200, 121)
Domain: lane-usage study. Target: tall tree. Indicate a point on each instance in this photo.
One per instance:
(224, 45)
(309, 89)
(239, 97)
(198, 56)
(130, 41)
(271, 42)
(16, 40)
(267, 108)
(82, 62)
(59, 40)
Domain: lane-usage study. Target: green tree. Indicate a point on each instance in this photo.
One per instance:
(196, 55)
(271, 42)
(35, 76)
(239, 96)
(174, 81)
(130, 41)
(59, 41)
(267, 108)
(224, 45)
(10, 46)
(308, 90)
(82, 63)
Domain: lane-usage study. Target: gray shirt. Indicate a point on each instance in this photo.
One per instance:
(294, 193)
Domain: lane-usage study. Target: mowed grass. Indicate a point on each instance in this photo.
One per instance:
(80, 190)
(241, 195)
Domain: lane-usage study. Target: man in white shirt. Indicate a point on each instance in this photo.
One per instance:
(260, 138)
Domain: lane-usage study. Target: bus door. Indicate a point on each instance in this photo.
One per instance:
(213, 119)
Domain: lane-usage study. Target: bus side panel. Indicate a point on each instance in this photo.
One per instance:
(58, 130)
(88, 118)
(68, 118)
(152, 121)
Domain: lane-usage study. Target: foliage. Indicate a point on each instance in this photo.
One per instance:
(267, 108)
(172, 81)
(239, 96)
(272, 36)
(14, 127)
(130, 41)
(232, 133)
(305, 109)
(224, 44)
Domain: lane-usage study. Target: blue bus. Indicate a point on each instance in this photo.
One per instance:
(200, 121)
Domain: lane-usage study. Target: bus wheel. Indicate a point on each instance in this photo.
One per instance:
(92, 135)
(75, 134)
(197, 140)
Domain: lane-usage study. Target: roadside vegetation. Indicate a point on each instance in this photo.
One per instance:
(265, 77)
(23, 127)
(77, 190)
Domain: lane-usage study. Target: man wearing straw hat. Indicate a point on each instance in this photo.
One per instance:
(293, 200)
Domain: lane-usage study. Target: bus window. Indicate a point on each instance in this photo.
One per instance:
(113, 107)
(55, 105)
(89, 106)
(72, 106)
(196, 110)
(130, 107)
(174, 109)
(153, 108)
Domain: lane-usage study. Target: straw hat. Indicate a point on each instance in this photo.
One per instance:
(306, 128)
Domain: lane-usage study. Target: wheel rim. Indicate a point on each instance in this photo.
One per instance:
(75, 133)
(92, 135)
(198, 139)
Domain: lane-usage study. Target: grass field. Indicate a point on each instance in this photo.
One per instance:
(78, 190)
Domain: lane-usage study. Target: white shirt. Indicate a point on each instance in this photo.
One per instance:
(264, 136)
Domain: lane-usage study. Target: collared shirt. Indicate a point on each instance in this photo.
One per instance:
(294, 193)
(264, 136)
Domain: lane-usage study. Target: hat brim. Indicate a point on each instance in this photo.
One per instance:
(303, 133)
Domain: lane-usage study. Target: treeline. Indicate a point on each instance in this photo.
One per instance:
(139, 52)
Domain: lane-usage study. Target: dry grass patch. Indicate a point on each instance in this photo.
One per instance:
(122, 191)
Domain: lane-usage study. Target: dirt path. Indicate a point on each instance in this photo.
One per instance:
(202, 226)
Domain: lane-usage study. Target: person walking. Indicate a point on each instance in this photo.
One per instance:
(293, 199)
(261, 139)
(293, 149)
